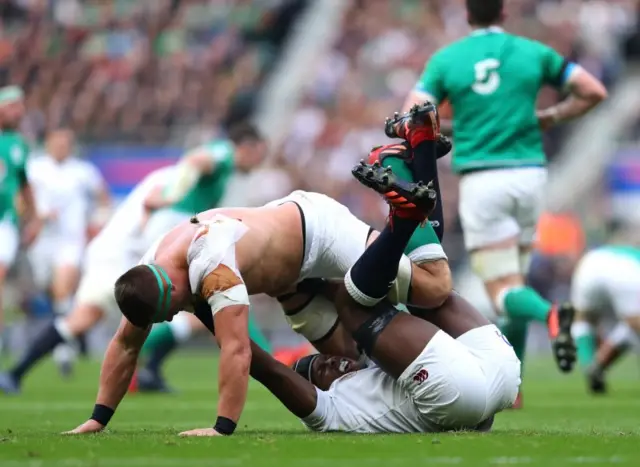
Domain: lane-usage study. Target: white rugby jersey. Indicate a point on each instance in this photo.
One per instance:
(367, 401)
(64, 190)
(124, 229)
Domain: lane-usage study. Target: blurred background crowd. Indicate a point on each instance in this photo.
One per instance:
(142, 80)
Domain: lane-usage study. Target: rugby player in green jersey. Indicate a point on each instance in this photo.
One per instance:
(17, 205)
(491, 79)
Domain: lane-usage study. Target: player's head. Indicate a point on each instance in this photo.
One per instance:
(11, 107)
(146, 295)
(483, 13)
(250, 147)
(60, 143)
(322, 370)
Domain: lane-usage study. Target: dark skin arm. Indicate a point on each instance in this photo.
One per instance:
(296, 393)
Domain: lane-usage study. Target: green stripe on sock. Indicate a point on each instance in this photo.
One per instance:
(586, 349)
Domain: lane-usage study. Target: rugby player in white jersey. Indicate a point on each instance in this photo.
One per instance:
(605, 291)
(214, 263)
(129, 233)
(68, 191)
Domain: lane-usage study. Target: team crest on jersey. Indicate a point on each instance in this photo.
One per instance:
(421, 375)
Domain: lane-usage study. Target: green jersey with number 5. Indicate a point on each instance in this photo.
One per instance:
(492, 79)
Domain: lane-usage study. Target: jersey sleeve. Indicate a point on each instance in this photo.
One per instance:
(431, 81)
(325, 415)
(556, 69)
(213, 272)
(93, 179)
(20, 156)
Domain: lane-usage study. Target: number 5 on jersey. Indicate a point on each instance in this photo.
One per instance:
(487, 77)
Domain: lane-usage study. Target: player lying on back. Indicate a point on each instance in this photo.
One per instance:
(605, 291)
(159, 202)
(492, 79)
(435, 381)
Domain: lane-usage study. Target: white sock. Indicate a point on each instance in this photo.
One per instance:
(62, 307)
(358, 296)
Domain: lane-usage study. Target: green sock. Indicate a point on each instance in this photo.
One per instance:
(526, 303)
(160, 335)
(516, 331)
(585, 340)
(257, 336)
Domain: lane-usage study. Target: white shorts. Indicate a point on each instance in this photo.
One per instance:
(98, 281)
(606, 280)
(9, 242)
(458, 383)
(334, 237)
(496, 205)
(51, 251)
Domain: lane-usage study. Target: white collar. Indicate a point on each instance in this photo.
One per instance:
(489, 30)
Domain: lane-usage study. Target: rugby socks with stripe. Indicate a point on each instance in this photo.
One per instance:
(371, 277)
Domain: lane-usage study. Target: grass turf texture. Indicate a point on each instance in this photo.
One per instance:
(560, 426)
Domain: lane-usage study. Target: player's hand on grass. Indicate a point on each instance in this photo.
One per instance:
(201, 432)
(90, 426)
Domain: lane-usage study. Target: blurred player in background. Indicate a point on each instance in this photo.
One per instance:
(17, 203)
(159, 202)
(491, 80)
(605, 291)
(67, 190)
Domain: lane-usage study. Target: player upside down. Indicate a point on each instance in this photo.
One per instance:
(225, 255)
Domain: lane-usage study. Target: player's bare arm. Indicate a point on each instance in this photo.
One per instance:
(586, 91)
(119, 364)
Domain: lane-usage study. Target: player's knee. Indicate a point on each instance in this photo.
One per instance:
(310, 315)
(431, 284)
(494, 264)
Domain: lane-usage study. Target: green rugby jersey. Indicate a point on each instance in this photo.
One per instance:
(210, 188)
(492, 80)
(13, 157)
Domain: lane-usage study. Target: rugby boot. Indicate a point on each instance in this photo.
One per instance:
(407, 200)
(559, 324)
(420, 123)
(443, 146)
(595, 380)
(8, 384)
(148, 381)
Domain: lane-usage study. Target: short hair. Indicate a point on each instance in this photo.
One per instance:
(137, 292)
(484, 12)
(244, 131)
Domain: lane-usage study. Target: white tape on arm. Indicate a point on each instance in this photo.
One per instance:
(236, 295)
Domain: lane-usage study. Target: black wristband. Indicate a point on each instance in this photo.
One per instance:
(102, 414)
(225, 426)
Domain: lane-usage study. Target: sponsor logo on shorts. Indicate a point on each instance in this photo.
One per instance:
(421, 376)
(434, 223)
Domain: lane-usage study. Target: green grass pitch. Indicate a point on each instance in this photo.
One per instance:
(560, 426)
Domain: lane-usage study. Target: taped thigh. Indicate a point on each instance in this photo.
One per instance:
(494, 264)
